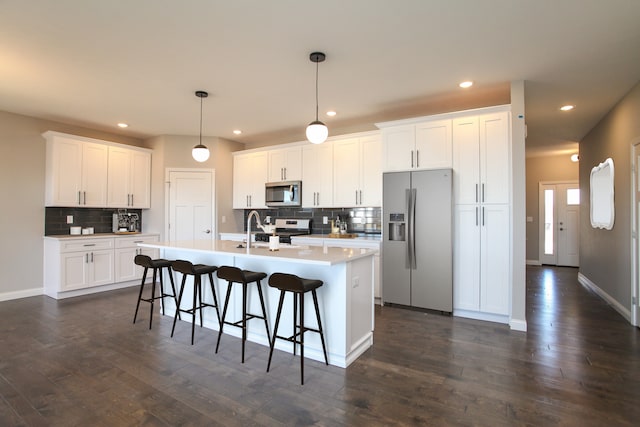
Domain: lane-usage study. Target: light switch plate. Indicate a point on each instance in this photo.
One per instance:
(69, 219)
(325, 220)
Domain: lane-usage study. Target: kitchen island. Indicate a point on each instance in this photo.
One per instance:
(345, 299)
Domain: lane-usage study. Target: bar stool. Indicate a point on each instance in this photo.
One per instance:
(235, 275)
(197, 270)
(157, 265)
(299, 287)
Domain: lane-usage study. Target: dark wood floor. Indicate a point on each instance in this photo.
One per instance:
(80, 362)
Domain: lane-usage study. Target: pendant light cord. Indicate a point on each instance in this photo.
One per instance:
(200, 120)
(316, 91)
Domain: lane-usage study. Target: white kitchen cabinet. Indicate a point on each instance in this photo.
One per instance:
(285, 164)
(481, 158)
(424, 145)
(249, 177)
(129, 178)
(76, 172)
(481, 259)
(126, 249)
(87, 264)
(357, 172)
(317, 175)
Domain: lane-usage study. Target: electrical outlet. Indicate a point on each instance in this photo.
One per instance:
(69, 219)
(223, 219)
(267, 219)
(325, 220)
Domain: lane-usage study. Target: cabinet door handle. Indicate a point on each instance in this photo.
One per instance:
(86, 258)
(247, 201)
(411, 158)
(84, 193)
(91, 256)
(483, 192)
(483, 216)
(356, 197)
(476, 216)
(417, 158)
(318, 202)
(132, 200)
(476, 193)
(79, 197)
(250, 196)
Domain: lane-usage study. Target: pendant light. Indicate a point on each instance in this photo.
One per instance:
(317, 131)
(200, 152)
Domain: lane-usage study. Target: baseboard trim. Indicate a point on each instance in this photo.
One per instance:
(533, 262)
(518, 325)
(624, 312)
(477, 315)
(7, 296)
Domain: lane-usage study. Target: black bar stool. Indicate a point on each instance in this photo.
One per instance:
(235, 275)
(299, 286)
(157, 265)
(197, 270)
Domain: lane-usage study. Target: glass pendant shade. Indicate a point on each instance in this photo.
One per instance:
(200, 153)
(317, 132)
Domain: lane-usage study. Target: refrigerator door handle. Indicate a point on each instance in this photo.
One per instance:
(412, 228)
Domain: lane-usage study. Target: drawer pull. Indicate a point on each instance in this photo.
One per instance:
(89, 244)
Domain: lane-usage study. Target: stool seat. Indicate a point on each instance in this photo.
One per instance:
(244, 277)
(298, 286)
(156, 265)
(197, 271)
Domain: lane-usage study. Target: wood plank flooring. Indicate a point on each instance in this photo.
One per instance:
(81, 362)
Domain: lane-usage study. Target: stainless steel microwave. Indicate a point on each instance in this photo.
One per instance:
(285, 193)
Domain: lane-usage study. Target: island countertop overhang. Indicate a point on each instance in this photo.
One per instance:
(298, 254)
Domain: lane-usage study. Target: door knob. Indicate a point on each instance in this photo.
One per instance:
(207, 231)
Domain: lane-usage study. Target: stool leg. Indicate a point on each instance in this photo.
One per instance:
(264, 311)
(144, 278)
(244, 317)
(295, 321)
(224, 314)
(215, 298)
(200, 290)
(302, 338)
(161, 289)
(275, 331)
(193, 312)
(315, 303)
(184, 279)
(153, 296)
(173, 288)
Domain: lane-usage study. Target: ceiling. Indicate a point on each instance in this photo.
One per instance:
(97, 63)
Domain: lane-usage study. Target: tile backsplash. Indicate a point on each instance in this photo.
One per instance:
(360, 220)
(101, 219)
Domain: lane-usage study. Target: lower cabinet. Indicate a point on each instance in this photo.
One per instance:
(79, 265)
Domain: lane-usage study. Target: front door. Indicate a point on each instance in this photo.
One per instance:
(559, 223)
(191, 204)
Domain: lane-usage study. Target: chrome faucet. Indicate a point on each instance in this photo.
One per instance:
(252, 213)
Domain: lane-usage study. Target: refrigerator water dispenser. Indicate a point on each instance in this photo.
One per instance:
(396, 227)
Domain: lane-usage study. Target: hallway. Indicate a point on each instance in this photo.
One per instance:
(81, 361)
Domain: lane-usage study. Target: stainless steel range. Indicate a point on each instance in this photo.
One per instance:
(285, 228)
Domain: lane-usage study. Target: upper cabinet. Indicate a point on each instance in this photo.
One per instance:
(317, 175)
(285, 164)
(86, 172)
(421, 145)
(249, 176)
(76, 172)
(357, 171)
(481, 154)
(129, 178)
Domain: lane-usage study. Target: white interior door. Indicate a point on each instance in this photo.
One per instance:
(191, 201)
(559, 223)
(635, 306)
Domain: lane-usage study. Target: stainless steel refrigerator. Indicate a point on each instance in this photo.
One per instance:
(417, 251)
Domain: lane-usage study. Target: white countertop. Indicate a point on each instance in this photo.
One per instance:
(297, 254)
(97, 235)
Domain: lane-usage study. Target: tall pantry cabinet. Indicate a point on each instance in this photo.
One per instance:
(482, 255)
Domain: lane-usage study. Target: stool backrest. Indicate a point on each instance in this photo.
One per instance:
(143, 261)
(231, 274)
(286, 282)
(184, 267)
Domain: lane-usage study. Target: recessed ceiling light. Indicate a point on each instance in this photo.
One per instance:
(237, 132)
(331, 113)
(575, 157)
(123, 125)
(567, 107)
(466, 84)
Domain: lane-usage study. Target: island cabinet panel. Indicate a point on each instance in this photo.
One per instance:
(249, 176)
(345, 299)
